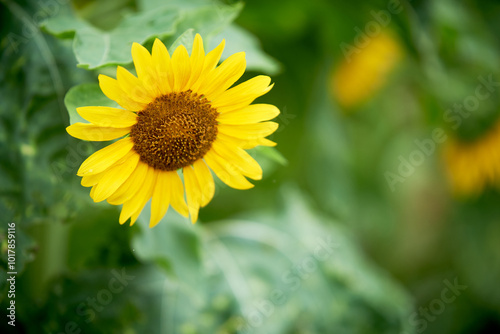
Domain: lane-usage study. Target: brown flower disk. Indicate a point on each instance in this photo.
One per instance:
(174, 130)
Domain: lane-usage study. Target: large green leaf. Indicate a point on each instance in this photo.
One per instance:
(313, 264)
(95, 48)
(65, 23)
(87, 94)
(238, 39)
(173, 245)
(208, 20)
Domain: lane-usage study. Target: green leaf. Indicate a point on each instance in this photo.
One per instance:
(272, 154)
(87, 94)
(172, 23)
(186, 39)
(244, 261)
(64, 24)
(173, 245)
(145, 5)
(94, 48)
(280, 251)
(237, 40)
(210, 20)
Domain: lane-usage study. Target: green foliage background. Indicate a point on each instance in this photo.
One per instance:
(392, 251)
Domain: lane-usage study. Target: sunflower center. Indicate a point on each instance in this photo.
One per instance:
(174, 130)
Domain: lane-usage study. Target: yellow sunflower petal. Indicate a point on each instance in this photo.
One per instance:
(205, 180)
(92, 191)
(226, 172)
(141, 196)
(213, 57)
(104, 158)
(248, 131)
(181, 65)
(128, 209)
(130, 186)
(211, 61)
(162, 62)
(108, 117)
(224, 76)
(193, 192)
(132, 86)
(248, 144)
(243, 94)
(161, 199)
(93, 132)
(91, 180)
(239, 158)
(114, 177)
(197, 60)
(134, 217)
(111, 88)
(177, 193)
(146, 73)
(142, 60)
(251, 114)
(147, 197)
(117, 174)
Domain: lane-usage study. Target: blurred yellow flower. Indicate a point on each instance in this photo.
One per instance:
(179, 115)
(471, 166)
(364, 71)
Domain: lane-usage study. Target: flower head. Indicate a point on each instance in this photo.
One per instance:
(471, 166)
(365, 69)
(180, 117)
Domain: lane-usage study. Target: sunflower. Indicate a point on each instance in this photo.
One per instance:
(471, 166)
(365, 69)
(181, 120)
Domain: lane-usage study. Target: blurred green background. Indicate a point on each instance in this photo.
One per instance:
(378, 211)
